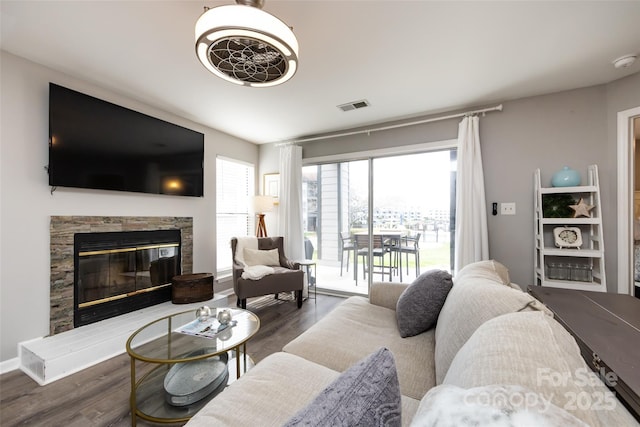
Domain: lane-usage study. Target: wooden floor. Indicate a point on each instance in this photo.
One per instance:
(99, 396)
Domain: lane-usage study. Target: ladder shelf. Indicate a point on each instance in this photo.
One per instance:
(569, 252)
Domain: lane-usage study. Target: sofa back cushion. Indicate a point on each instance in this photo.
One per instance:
(535, 351)
(481, 291)
(490, 270)
(354, 329)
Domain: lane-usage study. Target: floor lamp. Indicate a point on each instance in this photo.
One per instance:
(262, 204)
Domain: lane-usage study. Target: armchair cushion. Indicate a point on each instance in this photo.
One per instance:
(261, 257)
(257, 272)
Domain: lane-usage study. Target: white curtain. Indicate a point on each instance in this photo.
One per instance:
(471, 239)
(290, 211)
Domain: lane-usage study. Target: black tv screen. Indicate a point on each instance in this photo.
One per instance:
(99, 145)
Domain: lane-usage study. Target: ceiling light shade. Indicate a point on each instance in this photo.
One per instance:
(245, 45)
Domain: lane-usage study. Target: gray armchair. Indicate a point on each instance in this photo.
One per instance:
(287, 277)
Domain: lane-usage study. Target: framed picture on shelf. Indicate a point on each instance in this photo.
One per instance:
(567, 237)
(271, 186)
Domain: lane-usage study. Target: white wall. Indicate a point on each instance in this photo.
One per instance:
(26, 203)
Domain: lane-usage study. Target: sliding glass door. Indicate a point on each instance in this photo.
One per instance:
(383, 218)
(335, 204)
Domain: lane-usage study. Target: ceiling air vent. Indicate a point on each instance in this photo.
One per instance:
(354, 105)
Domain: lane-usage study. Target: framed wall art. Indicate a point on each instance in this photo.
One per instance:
(271, 186)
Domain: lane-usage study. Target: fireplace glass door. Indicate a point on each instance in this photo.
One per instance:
(116, 273)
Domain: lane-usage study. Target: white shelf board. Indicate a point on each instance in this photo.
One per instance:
(561, 190)
(568, 284)
(569, 221)
(582, 253)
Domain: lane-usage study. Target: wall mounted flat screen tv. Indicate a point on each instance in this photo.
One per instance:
(99, 145)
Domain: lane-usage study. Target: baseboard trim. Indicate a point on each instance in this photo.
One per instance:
(9, 365)
(226, 292)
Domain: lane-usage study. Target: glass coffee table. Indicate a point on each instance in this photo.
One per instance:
(163, 359)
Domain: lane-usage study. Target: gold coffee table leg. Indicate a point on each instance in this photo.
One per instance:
(132, 397)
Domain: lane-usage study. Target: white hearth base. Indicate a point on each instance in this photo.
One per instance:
(50, 358)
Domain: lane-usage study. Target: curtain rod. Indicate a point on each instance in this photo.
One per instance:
(400, 125)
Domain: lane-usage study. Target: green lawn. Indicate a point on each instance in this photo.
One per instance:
(439, 255)
(436, 254)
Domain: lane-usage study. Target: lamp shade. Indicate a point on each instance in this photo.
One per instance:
(262, 204)
(245, 45)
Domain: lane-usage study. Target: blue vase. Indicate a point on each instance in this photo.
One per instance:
(566, 177)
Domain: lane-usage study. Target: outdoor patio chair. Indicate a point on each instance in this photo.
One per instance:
(347, 245)
(379, 252)
(411, 245)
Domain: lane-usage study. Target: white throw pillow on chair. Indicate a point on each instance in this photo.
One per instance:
(261, 257)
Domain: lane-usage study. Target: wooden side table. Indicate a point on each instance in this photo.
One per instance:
(607, 329)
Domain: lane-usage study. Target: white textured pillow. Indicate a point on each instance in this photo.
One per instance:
(490, 406)
(261, 257)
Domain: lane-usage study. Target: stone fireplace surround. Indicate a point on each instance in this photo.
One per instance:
(62, 229)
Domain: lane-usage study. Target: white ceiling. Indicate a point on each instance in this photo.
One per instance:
(407, 58)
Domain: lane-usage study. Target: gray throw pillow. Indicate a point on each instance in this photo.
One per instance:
(420, 304)
(367, 394)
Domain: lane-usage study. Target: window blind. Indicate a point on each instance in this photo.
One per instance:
(235, 185)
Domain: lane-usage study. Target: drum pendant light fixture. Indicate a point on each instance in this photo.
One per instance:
(245, 45)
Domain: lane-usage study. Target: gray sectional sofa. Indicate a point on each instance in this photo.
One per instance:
(493, 343)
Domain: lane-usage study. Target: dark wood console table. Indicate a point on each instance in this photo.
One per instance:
(607, 329)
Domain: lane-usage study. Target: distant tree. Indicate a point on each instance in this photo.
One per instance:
(357, 211)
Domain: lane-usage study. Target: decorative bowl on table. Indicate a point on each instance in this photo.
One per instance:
(188, 382)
